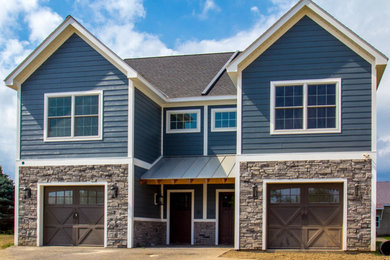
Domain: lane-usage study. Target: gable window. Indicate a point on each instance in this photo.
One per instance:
(223, 119)
(305, 106)
(73, 116)
(183, 121)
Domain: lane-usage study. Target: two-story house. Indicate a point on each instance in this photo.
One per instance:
(273, 147)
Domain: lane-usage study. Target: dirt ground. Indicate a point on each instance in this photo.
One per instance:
(301, 255)
(6, 241)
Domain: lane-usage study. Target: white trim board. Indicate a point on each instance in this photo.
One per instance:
(306, 156)
(130, 205)
(40, 205)
(16, 207)
(192, 211)
(217, 191)
(75, 161)
(287, 181)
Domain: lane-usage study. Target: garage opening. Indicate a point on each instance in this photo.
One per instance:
(304, 216)
(73, 216)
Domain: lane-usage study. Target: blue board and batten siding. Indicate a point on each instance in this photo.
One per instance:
(183, 143)
(147, 128)
(220, 142)
(75, 66)
(307, 51)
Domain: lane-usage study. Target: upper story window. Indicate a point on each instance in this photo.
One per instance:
(223, 119)
(183, 121)
(73, 116)
(306, 106)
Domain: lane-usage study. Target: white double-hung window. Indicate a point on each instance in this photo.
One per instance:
(305, 106)
(75, 116)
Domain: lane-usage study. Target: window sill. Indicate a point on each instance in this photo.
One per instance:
(309, 131)
(231, 129)
(183, 131)
(72, 139)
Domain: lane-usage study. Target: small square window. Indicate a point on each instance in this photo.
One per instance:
(223, 119)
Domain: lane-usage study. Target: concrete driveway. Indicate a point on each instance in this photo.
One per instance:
(97, 253)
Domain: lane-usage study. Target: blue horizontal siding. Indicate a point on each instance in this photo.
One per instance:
(147, 128)
(74, 67)
(144, 197)
(183, 143)
(307, 51)
(220, 142)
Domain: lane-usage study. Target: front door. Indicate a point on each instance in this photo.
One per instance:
(305, 216)
(226, 218)
(180, 218)
(74, 216)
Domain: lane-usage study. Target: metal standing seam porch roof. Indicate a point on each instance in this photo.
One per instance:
(192, 170)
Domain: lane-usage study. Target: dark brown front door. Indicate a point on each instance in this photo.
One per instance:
(226, 218)
(180, 218)
(74, 216)
(305, 216)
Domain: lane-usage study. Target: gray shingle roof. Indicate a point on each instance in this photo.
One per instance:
(382, 193)
(185, 75)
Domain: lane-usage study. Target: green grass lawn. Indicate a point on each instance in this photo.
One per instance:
(6, 241)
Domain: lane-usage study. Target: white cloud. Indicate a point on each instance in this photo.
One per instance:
(209, 6)
(254, 9)
(123, 11)
(41, 23)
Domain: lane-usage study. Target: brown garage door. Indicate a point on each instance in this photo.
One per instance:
(305, 216)
(74, 216)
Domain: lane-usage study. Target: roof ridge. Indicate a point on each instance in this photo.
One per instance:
(181, 55)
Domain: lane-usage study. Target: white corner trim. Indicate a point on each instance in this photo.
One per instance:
(305, 156)
(18, 120)
(222, 129)
(131, 120)
(237, 207)
(304, 83)
(239, 114)
(373, 204)
(130, 211)
(41, 198)
(373, 108)
(315, 180)
(72, 137)
(205, 130)
(192, 211)
(162, 132)
(75, 161)
(16, 208)
(183, 111)
(217, 191)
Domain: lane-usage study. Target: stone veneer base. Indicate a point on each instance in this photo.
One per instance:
(116, 207)
(356, 172)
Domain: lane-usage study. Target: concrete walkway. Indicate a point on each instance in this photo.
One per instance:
(97, 253)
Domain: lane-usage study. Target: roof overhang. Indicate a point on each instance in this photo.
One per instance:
(319, 15)
(192, 170)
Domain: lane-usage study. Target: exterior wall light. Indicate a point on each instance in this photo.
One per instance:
(114, 191)
(158, 199)
(358, 196)
(255, 192)
(27, 193)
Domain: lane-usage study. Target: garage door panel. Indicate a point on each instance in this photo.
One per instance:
(283, 239)
(74, 215)
(305, 216)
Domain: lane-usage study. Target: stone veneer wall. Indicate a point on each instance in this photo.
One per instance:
(355, 171)
(204, 233)
(149, 233)
(116, 207)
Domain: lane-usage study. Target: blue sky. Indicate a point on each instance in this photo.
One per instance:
(136, 28)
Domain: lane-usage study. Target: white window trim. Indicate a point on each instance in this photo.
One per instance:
(46, 138)
(305, 130)
(182, 111)
(222, 129)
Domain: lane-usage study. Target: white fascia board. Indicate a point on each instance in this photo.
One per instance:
(233, 67)
(379, 58)
(85, 35)
(207, 98)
